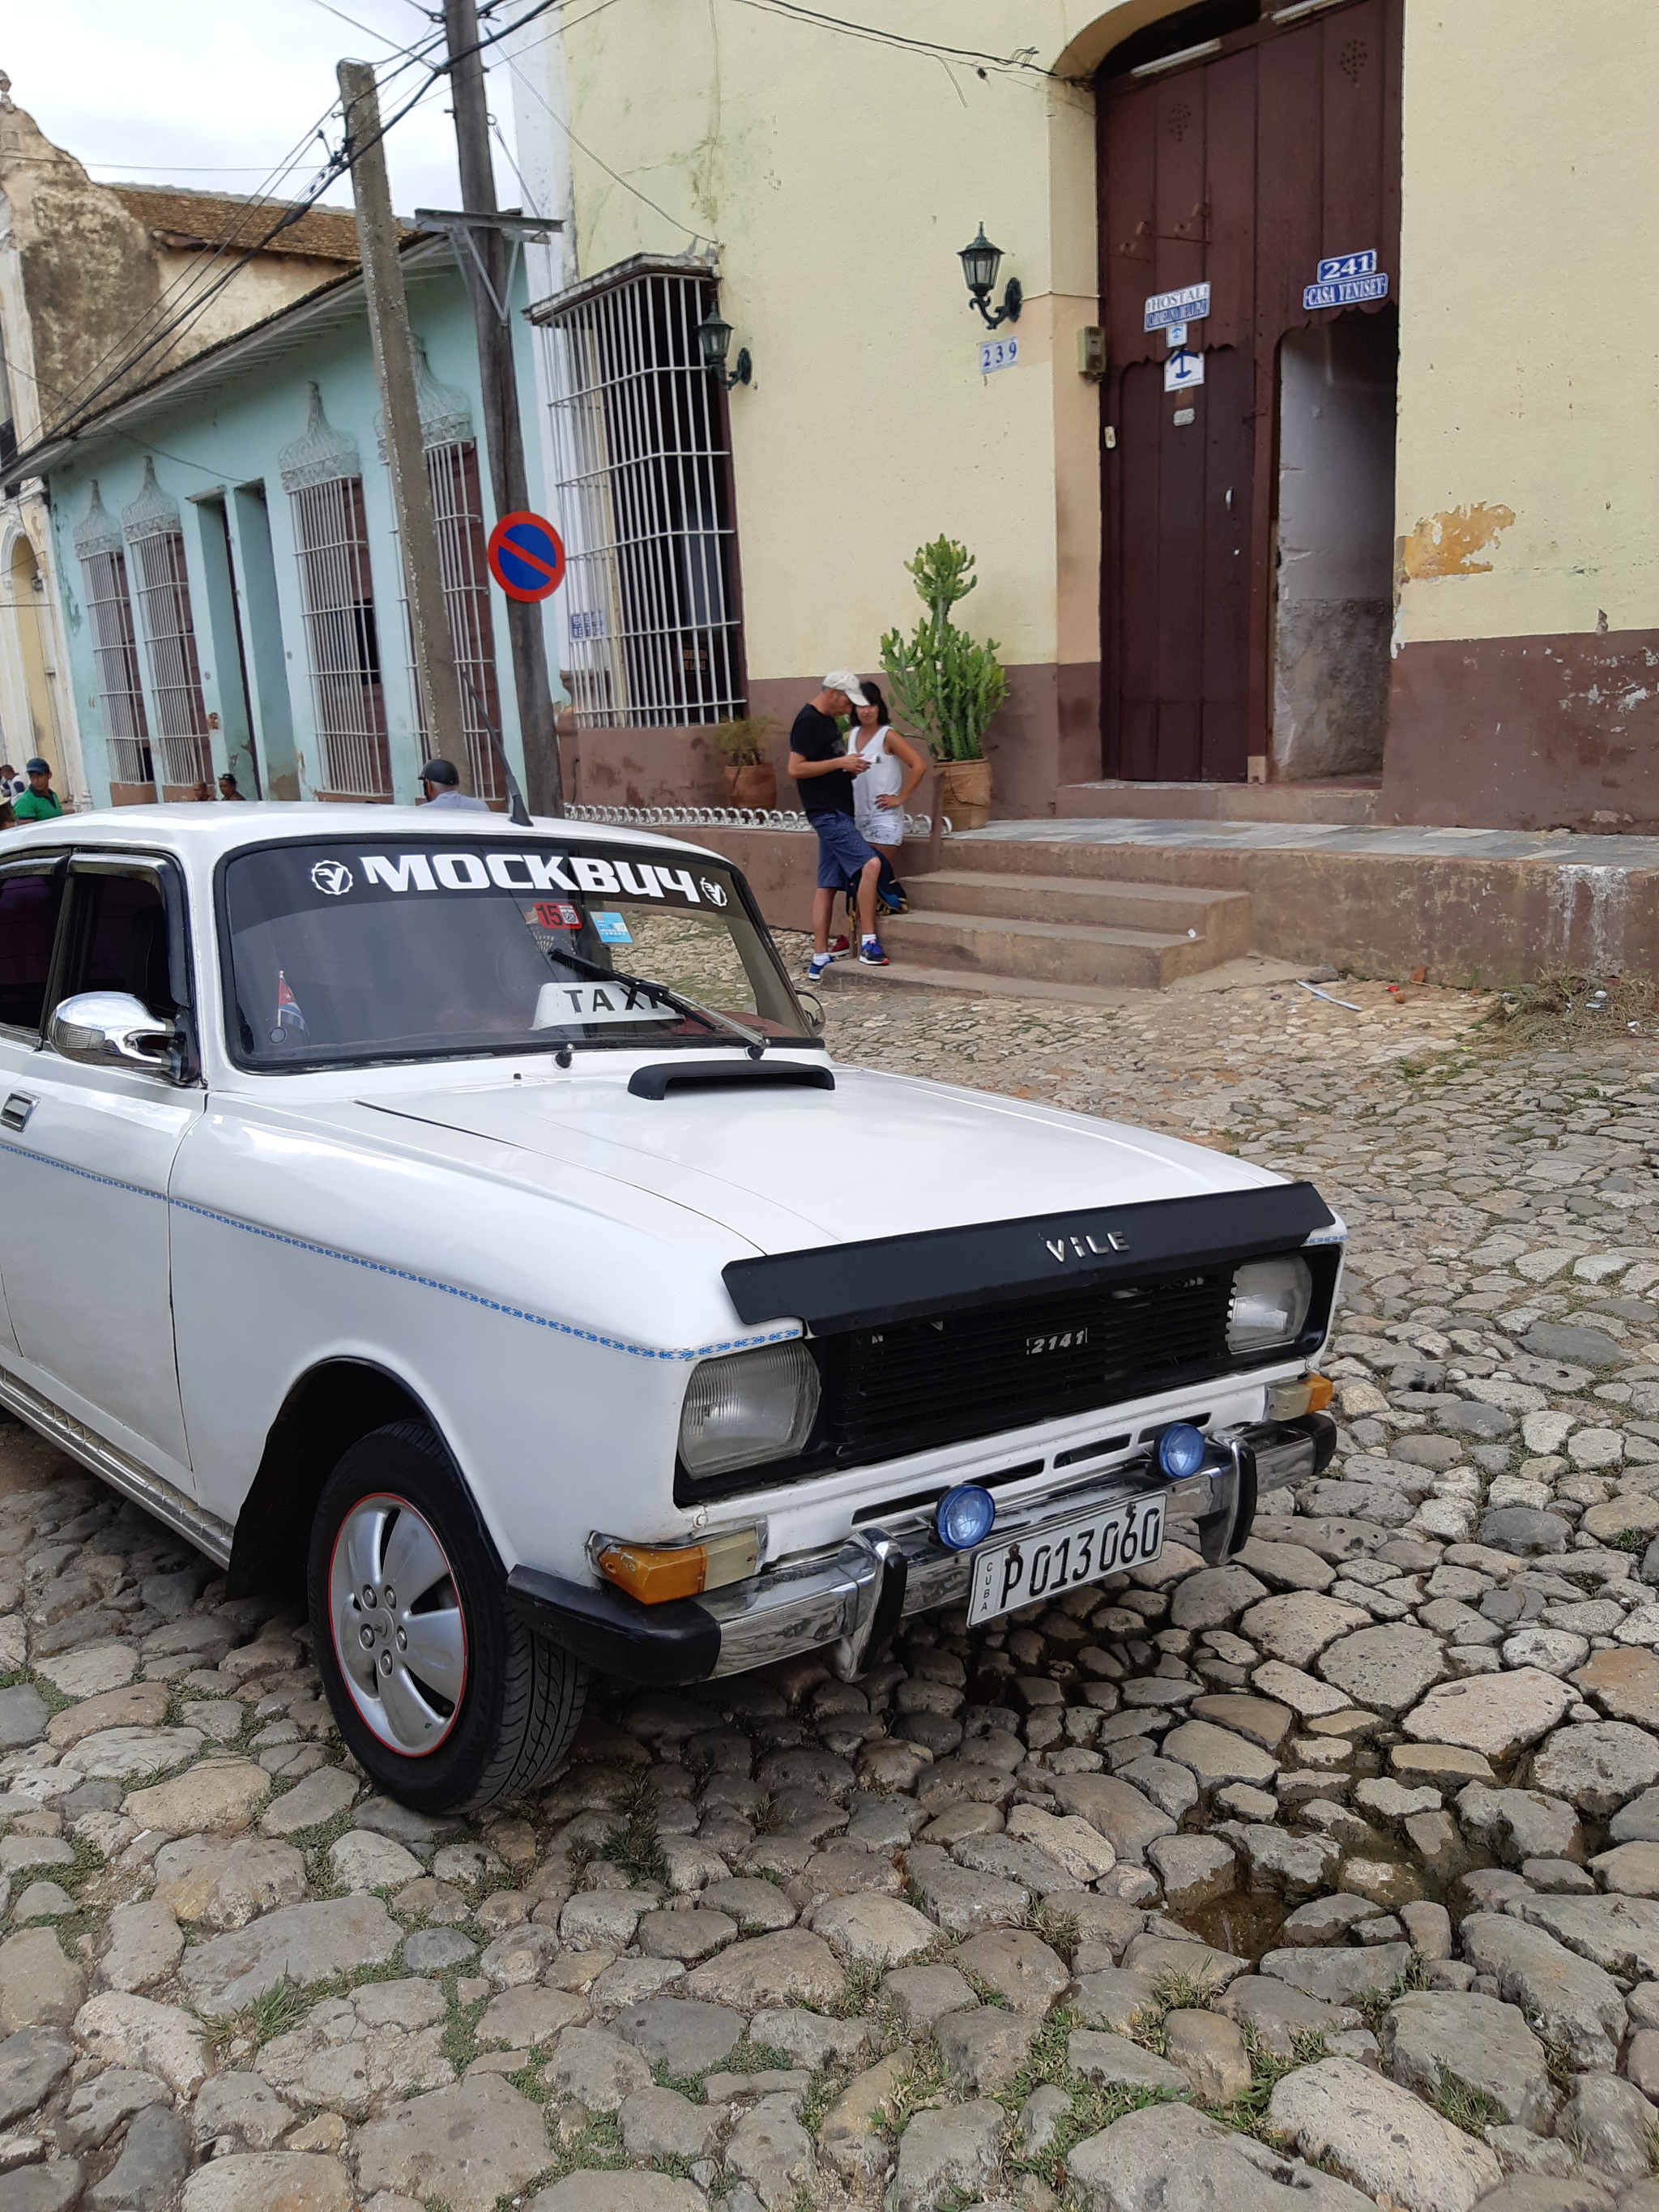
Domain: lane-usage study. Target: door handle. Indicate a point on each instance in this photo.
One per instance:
(16, 1110)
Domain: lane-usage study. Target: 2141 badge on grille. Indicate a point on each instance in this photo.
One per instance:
(1046, 1561)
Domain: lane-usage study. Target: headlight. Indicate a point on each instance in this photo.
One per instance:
(748, 1408)
(1270, 1304)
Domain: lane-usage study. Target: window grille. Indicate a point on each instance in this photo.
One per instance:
(114, 645)
(639, 430)
(452, 472)
(155, 543)
(322, 476)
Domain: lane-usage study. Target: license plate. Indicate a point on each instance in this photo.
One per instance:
(1046, 1561)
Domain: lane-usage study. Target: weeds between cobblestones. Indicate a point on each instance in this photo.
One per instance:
(1430, 1919)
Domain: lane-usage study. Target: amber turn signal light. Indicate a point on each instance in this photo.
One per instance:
(656, 1573)
(1288, 1401)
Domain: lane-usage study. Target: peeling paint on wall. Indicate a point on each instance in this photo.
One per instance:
(1445, 545)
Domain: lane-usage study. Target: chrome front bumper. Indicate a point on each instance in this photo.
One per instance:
(846, 1601)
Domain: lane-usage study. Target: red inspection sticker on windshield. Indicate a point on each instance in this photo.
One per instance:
(557, 913)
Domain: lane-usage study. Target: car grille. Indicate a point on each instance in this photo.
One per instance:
(912, 1384)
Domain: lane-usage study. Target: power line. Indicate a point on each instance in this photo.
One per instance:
(184, 309)
(627, 183)
(1020, 59)
(153, 333)
(367, 29)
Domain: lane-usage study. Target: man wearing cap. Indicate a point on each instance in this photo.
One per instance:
(823, 771)
(440, 787)
(39, 802)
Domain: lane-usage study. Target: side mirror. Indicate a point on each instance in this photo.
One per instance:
(812, 1007)
(111, 1029)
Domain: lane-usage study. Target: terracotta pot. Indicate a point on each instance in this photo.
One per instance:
(965, 792)
(752, 783)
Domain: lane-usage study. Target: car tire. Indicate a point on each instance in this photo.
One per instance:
(442, 1694)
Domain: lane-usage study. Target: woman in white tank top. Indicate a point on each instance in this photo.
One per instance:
(896, 768)
(879, 794)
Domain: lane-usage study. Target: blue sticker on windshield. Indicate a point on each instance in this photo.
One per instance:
(612, 929)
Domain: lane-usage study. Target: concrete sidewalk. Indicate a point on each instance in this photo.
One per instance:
(1492, 905)
(1561, 848)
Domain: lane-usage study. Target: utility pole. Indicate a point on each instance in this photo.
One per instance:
(394, 367)
(485, 265)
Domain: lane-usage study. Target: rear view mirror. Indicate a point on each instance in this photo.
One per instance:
(812, 1007)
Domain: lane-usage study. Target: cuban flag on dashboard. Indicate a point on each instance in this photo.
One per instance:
(290, 1022)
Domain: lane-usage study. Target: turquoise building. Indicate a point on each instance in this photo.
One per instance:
(232, 593)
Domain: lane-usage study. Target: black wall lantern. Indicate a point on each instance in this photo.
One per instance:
(715, 336)
(980, 263)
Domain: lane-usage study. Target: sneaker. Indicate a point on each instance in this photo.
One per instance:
(819, 965)
(871, 954)
(841, 945)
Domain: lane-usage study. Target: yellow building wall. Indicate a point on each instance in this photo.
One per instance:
(837, 181)
(1528, 451)
(835, 178)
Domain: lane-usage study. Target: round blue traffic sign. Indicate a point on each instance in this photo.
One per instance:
(526, 556)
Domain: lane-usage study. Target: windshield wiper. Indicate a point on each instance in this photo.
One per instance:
(660, 994)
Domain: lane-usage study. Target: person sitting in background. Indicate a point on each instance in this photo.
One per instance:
(39, 802)
(441, 787)
(227, 787)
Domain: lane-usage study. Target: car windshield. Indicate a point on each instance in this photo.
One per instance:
(421, 946)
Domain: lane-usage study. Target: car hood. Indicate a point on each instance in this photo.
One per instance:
(788, 1168)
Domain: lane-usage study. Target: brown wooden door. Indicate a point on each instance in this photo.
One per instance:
(1243, 169)
(1184, 498)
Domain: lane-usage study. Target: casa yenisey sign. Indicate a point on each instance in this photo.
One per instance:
(1346, 280)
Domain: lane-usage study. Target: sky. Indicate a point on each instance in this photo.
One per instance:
(218, 96)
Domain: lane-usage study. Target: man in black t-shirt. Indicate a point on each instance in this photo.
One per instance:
(823, 771)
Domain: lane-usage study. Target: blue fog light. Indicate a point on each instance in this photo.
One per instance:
(965, 1517)
(1181, 1450)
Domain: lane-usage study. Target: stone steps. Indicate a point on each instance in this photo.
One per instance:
(1060, 935)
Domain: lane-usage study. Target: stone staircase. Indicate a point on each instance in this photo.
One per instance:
(1079, 935)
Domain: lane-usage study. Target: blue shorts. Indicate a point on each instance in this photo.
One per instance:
(843, 850)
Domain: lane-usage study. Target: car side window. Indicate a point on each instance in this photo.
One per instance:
(118, 937)
(30, 896)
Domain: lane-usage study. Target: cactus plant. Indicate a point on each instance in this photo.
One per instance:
(947, 684)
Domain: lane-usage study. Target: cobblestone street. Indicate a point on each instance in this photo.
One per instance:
(1334, 1868)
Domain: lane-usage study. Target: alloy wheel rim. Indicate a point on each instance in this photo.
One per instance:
(399, 1633)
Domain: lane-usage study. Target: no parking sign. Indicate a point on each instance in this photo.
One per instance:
(526, 556)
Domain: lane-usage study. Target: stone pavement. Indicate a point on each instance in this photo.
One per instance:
(1336, 1868)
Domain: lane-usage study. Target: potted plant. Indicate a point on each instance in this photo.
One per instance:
(947, 684)
(750, 778)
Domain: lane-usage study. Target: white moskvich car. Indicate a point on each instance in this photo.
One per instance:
(464, 1224)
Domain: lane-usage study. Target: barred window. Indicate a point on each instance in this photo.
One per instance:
(640, 437)
(175, 674)
(452, 471)
(337, 595)
(115, 653)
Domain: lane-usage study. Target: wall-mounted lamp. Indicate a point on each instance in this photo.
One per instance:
(715, 336)
(980, 263)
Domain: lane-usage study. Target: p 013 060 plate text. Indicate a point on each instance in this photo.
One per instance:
(1047, 1561)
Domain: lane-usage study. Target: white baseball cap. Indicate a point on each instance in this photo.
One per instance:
(843, 680)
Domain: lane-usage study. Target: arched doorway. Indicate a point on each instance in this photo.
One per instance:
(1248, 467)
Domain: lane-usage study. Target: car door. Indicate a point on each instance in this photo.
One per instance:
(31, 895)
(84, 1243)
